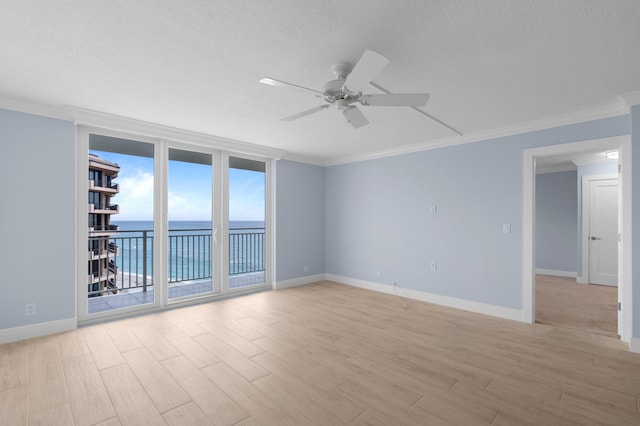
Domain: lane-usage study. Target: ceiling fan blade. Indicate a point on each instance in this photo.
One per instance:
(278, 83)
(453, 129)
(355, 117)
(367, 68)
(407, 99)
(305, 113)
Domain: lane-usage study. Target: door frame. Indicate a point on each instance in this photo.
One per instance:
(623, 145)
(585, 274)
(269, 223)
(82, 188)
(216, 218)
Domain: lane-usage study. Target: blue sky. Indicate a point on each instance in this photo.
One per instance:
(189, 190)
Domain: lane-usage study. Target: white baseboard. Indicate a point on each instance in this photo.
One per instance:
(452, 302)
(36, 330)
(279, 285)
(554, 273)
(634, 345)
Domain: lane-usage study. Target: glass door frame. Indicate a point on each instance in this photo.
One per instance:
(269, 216)
(82, 188)
(216, 219)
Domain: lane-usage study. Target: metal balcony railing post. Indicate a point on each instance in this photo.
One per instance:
(144, 261)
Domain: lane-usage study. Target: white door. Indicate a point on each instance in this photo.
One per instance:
(603, 232)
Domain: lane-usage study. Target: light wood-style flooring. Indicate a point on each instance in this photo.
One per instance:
(586, 307)
(320, 354)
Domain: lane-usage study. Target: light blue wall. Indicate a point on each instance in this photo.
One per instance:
(589, 170)
(557, 221)
(300, 220)
(37, 219)
(378, 215)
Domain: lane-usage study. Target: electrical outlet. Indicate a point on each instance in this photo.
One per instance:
(433, 209)
(434, 265)
(378, 275)
(30, 309)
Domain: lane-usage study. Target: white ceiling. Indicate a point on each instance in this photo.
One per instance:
(195, 65)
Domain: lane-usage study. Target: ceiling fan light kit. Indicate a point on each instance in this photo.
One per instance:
(347, 89)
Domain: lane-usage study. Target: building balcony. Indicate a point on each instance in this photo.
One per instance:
(101, 231)
(102, 248)
(110, 169)
(104, 186)
(102, 275)
(104, 208)
(104, 228)
(103, 254)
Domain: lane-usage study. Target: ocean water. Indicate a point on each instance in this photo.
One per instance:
(189, 246)
(133, 225)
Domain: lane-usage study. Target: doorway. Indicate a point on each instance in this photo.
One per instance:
(191, 230)
(530, 158)
(560, 300)
(246, 217)
(120, 225)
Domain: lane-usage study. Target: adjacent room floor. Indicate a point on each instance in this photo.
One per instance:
(586, 307)
(319, 354)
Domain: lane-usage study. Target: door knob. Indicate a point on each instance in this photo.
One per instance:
(596, 238)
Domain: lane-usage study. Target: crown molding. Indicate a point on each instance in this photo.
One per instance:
(34, 108)
(96, 119)
(303, 159)
(631, 99)
(618, 108)
(82, 116)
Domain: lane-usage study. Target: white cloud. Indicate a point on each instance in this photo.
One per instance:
(136, 196)
(189, 207)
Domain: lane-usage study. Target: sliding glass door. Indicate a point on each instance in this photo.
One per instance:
(120, 224)
(167, 222)
(191, 234)
(247, 232)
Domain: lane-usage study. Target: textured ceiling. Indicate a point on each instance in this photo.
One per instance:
(195, 65)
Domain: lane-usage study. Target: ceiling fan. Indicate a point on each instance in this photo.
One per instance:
(346, 90)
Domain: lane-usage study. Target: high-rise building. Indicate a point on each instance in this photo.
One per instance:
(102, 268)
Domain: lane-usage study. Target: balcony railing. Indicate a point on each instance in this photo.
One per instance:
(246, 250)
(130, 257)
(103, 228)
(111, 208)
(189, 254)
(104, 184)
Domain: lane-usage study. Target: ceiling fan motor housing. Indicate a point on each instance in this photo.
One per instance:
(334, 90)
